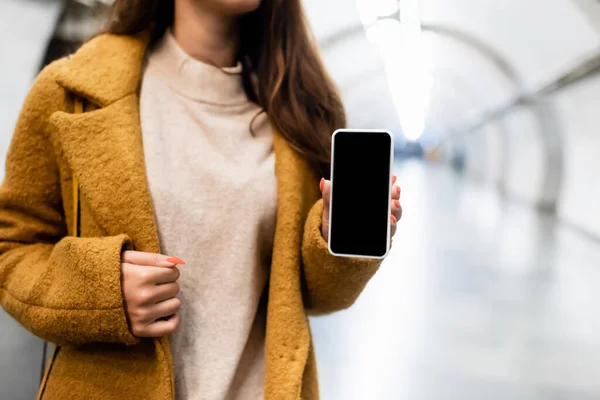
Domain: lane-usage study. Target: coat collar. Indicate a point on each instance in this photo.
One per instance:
(105, 69)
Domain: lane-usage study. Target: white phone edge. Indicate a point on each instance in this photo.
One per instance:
(387, 251)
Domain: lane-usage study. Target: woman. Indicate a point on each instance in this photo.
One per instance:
(174, 155)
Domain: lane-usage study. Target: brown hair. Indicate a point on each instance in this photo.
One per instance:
(276, 47)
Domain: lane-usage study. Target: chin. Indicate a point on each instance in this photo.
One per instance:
(232, 7)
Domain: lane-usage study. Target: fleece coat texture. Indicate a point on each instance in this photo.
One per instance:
(67, 289)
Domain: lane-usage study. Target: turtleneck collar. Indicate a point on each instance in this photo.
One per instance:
(193, 78)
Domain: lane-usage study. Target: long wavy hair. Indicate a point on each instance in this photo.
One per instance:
(277, 49)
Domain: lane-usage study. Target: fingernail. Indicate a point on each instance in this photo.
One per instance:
(394, 179)
(398, 189)
(394, 220)
(176, 260)
(397, 203)
(322, 183)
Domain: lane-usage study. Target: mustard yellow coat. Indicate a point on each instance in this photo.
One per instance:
(67, 289)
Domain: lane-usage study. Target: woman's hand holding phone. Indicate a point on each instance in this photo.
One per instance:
(150, 287)
(326, 191)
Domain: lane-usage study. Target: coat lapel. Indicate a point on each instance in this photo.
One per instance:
(104, 150)
(287, 335)
(104, 147)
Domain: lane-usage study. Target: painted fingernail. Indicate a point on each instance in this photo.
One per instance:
(176, 260)
(322, 183)
(397, 203)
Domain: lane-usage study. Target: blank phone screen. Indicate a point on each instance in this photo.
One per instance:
(360, 193)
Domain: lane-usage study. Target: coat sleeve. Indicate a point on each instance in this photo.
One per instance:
(66, 290)
(332, 283)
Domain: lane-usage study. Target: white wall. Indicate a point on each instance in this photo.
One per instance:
(579, 113)
(509, 151)
(524, 175)
(484, 153)
(577, 121)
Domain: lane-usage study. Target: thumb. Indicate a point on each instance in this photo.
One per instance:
(326, 190)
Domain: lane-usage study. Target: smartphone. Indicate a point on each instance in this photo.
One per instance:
(361, 193)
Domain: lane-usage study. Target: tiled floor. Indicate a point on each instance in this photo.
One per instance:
(479, 299)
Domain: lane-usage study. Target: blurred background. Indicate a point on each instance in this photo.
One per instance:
(492, 288)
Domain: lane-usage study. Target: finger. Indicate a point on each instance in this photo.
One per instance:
(394, 179)
(394, 225)
(144, 275)
(150, 259)
(164, 309)
(326, 192)
(165, 275)
(165, 292)
(140, 275)
(396, 192)
(396, 209)
(163, 327)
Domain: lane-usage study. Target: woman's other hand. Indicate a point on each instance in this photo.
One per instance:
(396, 207)
(150, 288)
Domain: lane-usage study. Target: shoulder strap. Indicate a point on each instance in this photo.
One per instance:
(79, 108)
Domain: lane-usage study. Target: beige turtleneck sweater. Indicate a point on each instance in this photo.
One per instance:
(214, 192)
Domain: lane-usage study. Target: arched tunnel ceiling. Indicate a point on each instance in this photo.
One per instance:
(537, 37)
(534, 39)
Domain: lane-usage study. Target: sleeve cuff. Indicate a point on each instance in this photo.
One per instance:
(98, 312)
(315, 244)
(313, 237)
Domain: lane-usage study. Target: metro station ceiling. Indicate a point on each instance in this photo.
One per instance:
(469, 56)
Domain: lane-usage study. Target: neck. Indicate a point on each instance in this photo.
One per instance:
(204, 35)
